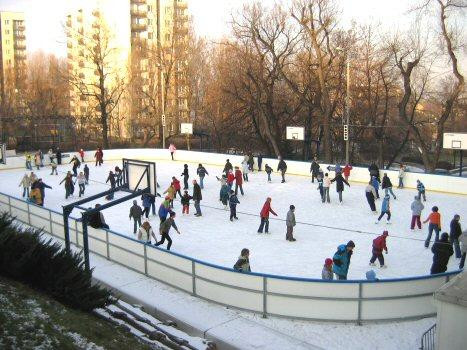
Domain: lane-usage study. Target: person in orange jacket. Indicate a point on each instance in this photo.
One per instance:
(238, 180)
(265, 216)
(346, 171)
(435, 224)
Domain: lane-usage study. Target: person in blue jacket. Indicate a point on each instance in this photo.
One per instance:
(341, 260)
(146, 198)
(375, 184)
(385, 209)
(164, 209)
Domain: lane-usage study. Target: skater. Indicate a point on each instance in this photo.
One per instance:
(341, 260)
(314, 169)
(33, 177)
(176, 185)
(243, 262)
(201, 172)
(86, 173)
(26, 183)
(327, 274)
(35, 197)
(186, 203)
(338, 169)
(340, 181)
(228, 167)
(421, 190)
(233, 201)
(170, 194)
(326, 186)
(282, 167)
(374, 171)
(136, 213)
(172, 150)
(371, 275)
(230, 179)
(290, 223)
(111, 179)
(260, 161)
(51, 155)
(81, 180)
(197, 197)
(268, 170)
(435, 224)
(400, 176)
(185, 176)
(99, 155)
(246, 170)
(442, 251)
(41, 186)
(76, 165)
(27, 156)
(37, 160)
(118, 176)
(81, 154)
(416, 207)
(370, 194)
(97, 219)
(463, 243)
(346, 171)
(379, 244)
(238, 180)
(41, 158)
(145, 233)
(386, 185)
(224, 195)
(164, 230)
(454, 234)
(164, 209)
(146, 200)
(321, 186)
(264, 214)
(53, 166)
(375, 183)
(69, 187)
(58, 153)
(251, 163)
(385, 209)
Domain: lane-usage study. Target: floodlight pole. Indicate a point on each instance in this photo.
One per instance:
(460, 163)
(347, 111)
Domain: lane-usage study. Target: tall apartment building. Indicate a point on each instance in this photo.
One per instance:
(12, 51)
(148, 34)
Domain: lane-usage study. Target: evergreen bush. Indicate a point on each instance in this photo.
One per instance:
(27, 257)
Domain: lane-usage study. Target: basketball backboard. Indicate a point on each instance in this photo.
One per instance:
(139, 174)
(455, 140)
(295, 133)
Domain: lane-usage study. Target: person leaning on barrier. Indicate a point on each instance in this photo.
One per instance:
(145, 233)
(341, 260)
(97, 220)
(243, 262)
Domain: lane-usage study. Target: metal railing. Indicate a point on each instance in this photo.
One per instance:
(428, 339)
(292, 297)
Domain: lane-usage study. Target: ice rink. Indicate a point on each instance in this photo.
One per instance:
(320, 227)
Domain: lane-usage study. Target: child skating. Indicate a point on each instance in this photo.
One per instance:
(385, 210)
(379, 244)
(233, 201)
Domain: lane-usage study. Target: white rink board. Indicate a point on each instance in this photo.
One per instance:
(20, 214)
(169, 259)
(227, 295)
(125, 258)
(315, 289)
(312, 308)
(39, 211)
(40, 223)
(97, 246)
(402, 288)
(19, 204)
(235, 279)
(170, 276)
(135, 247)
(58, 230)
(398, 308)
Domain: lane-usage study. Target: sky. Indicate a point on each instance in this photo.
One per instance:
(45, 18)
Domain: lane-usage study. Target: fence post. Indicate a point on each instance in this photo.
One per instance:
(193, 277)
(50, 222)
(145, 260)
(77, 233)
(29, 214)
(265, 296)
(9, 204)
(107, 244)
(359, 320)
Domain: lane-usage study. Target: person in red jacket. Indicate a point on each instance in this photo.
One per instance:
(230, 179)
(379, 244)
(81, 154)
(346, 171)
(238, 180)
(99, 155)
(176, 185)
(265, 216)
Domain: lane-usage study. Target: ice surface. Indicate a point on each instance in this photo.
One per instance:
(320, 227)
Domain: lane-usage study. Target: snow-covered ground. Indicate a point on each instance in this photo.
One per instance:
(320, 227)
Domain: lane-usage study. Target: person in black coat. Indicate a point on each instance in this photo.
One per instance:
(282, 167)
(386, 185)
(314, 170)
(111, 179)
(340, 181)
(59, 156)
(197, 197)
(228, 166)
(185, 176)
(454, 234)
(374, 171)
(442, 251)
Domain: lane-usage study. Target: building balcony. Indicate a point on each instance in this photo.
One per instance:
(20, 36)
(96, 13)
(181, 30)
(20, 46)
(181, 18)
(138, 2)
(138, 13)
(81, 75)
(96, 25)
(21, 28)
(20, 55)
(181, 5)
(139, 27)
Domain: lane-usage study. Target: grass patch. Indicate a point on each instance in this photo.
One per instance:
(30, 319)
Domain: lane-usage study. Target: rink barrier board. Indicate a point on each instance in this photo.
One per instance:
(433, 182)
(312, 299)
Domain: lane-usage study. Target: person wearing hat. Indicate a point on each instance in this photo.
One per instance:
(228, 167)
(371, 275)
(327, 274)
(379, 244)
(442, 251)
(341, 260)
(145, 232)
(290, 223)
(136, 213)
(385, 209)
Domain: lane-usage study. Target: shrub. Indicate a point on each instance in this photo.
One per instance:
(27, 257)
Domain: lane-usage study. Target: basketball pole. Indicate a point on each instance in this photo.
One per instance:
(460, 164)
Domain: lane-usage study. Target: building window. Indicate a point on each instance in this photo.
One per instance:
(149, 21)
(7, 21)
(7, 42)
(150, 8)
(167, 37)
(7, 31)
(149, 35)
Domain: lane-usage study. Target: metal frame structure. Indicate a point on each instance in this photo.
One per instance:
(88, 212)
(2, 153)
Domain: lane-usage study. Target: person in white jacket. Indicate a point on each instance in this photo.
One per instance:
(26, 183)
(401, 176)
(145, 233)
(326, 185)
(245, 168)
(81, 179)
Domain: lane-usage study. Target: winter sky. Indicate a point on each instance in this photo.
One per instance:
(44, 18)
